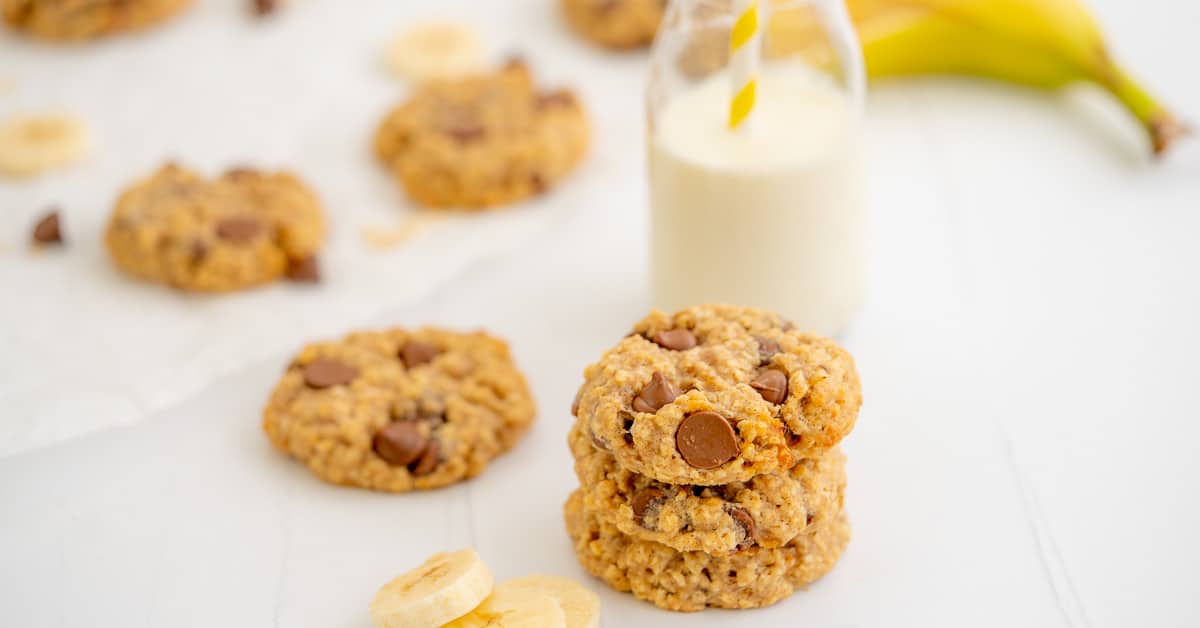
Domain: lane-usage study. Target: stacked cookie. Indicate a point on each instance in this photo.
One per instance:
(706, 449)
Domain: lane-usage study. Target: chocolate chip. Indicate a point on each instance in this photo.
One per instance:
(658, 393)
(743, 519)
(793, 438)
(265, 7)
(627, 424)
(646, 499)
(679, 339)
(767, 348)
(556, 98)
(597, 442)
(537, 183)
(240, 172)
(772, 385)
(464, 134)
(416, 353)
(706, 440)
(198, 252)
(239, 229)
(306, 270)
(429, 459)
(326, 372)
(514, 62)
(400, 443)
(47, 230)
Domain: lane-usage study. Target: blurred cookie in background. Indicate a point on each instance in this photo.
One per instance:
(483, 140)
(76, 20)
(244, 228)
(618, 24)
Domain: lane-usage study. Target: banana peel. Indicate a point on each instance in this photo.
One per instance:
(1045, 44)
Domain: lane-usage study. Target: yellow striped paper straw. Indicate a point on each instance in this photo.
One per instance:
(743, 61)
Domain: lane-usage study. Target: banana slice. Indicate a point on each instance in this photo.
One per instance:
(516, 606)
(435, 50)
(31, 144)
(445, 587)
(581, 607)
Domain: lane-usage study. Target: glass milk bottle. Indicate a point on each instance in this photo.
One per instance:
(765, 210)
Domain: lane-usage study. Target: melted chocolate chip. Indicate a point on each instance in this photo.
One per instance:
(706, 440)
(658, 393)
(646, 499)
(465, 134)
(400, 443)
(767, 348)
(305, 270)
(772, 385)
(326, 372)
(678, 339)
(265, 7)
(416, 353)
(429, 459)
(597, 442)
(240, 172)
(537, 182)
(198, 251)
(743, 519)
(239, 229)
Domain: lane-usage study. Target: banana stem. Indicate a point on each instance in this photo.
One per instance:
(1161, 125)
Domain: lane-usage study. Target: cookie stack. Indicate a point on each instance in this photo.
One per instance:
(706, 449)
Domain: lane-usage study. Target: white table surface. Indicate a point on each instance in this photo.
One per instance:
(1025, 455)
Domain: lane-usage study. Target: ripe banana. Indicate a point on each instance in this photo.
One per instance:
(514, 606)
(443, 588)
(580, 606)
(1040, 43)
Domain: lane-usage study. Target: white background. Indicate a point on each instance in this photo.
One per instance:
(1025, 455)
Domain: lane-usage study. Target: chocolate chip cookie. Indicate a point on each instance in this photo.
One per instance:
(399, 410)
(66, 20)
(766, 511)
(716, 394)
(691, 581)
(244, 228)
(619, 24)
(484, 140)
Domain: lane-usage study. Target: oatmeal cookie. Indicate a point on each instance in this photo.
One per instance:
(716, 394)
(66, 20)
(484, 140)
(618, 24)
(767, 511)
(691, 581)
(399, 410)
(244, 228)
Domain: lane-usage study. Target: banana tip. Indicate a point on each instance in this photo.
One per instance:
(1165, 130)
